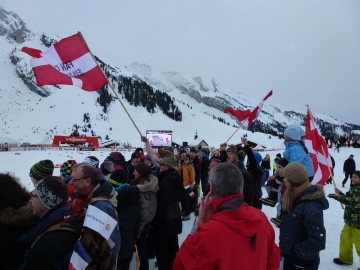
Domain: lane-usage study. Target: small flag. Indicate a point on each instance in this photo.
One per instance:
(68, 62)
(99, 221)
(247, 117)
(80, 259)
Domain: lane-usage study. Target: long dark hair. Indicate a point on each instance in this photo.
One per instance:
(12, 193)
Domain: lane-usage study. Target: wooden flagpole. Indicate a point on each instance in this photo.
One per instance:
(233, 134)
(111, 86)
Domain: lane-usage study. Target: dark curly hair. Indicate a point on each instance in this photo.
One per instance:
(12, 193)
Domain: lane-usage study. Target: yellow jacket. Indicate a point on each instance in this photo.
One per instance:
(186, 170)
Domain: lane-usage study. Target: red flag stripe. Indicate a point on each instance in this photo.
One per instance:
(318, 151)
(247, 117)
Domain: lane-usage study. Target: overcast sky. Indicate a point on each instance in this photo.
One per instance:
(308, 51)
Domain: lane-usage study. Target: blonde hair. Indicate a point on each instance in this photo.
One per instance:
(292, 194)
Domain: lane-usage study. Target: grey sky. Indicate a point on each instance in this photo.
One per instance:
(307, 51)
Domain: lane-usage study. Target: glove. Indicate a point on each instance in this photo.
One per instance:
(333, 195)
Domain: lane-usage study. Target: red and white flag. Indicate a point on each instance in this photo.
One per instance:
(69, 62)
(318, 151)
(247, 117)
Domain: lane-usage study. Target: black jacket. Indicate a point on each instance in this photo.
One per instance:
(302, 232)
(128, 210)
(349, 165)
(167, 219)
(255, 171)
(13, 222)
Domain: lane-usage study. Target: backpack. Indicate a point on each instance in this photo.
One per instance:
(96, 247)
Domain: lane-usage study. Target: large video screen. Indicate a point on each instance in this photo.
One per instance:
(159, 138)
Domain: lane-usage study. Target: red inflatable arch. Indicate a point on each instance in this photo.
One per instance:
(87, 141)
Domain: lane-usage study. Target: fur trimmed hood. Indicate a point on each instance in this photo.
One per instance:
(20, 217)
(151, 185)
(314, 193)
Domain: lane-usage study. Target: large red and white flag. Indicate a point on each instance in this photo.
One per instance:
(247, 117)
(69, 62)
(318, 151)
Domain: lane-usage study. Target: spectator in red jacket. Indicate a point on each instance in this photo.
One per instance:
(235, 228)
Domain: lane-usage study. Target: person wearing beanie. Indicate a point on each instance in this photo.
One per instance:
(302, 231)
(148, 187)
(131, 164)
(128, 211)
(93, 161)
(295, 150)
(48, 201)
(41, 170)
(65, 174)
(351, 230)
(107, 167)
(66, 170)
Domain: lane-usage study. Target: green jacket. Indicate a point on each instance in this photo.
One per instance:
(351, 200)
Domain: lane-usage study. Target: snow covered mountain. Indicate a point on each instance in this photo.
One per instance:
(154, 100)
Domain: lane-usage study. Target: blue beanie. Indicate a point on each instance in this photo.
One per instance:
(258, 157)
(294, 132)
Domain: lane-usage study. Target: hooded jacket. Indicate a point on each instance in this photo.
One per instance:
(295, 152)
(236, 237)
(302, 232)
(148, 201)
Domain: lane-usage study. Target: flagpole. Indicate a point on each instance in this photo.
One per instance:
(233, 133)
(111, 86)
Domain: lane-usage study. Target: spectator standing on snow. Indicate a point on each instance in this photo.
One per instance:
(348, 168)
(227, 227)
(350, 234)
(302, 231)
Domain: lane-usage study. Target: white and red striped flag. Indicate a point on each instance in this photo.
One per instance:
(69, 62)
(247, 117)
(318, 151)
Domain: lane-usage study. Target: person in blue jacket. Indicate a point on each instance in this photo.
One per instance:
(295, 150)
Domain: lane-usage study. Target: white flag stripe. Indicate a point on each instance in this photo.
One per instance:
(51, 56)
(77, 67)
(77, 262)
(77, 82)
(37, 62)
(99, 221)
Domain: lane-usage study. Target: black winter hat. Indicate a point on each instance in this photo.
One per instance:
(42, 169)
(135, 155)
(107, 167)
(118, 177)
(283, 162)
